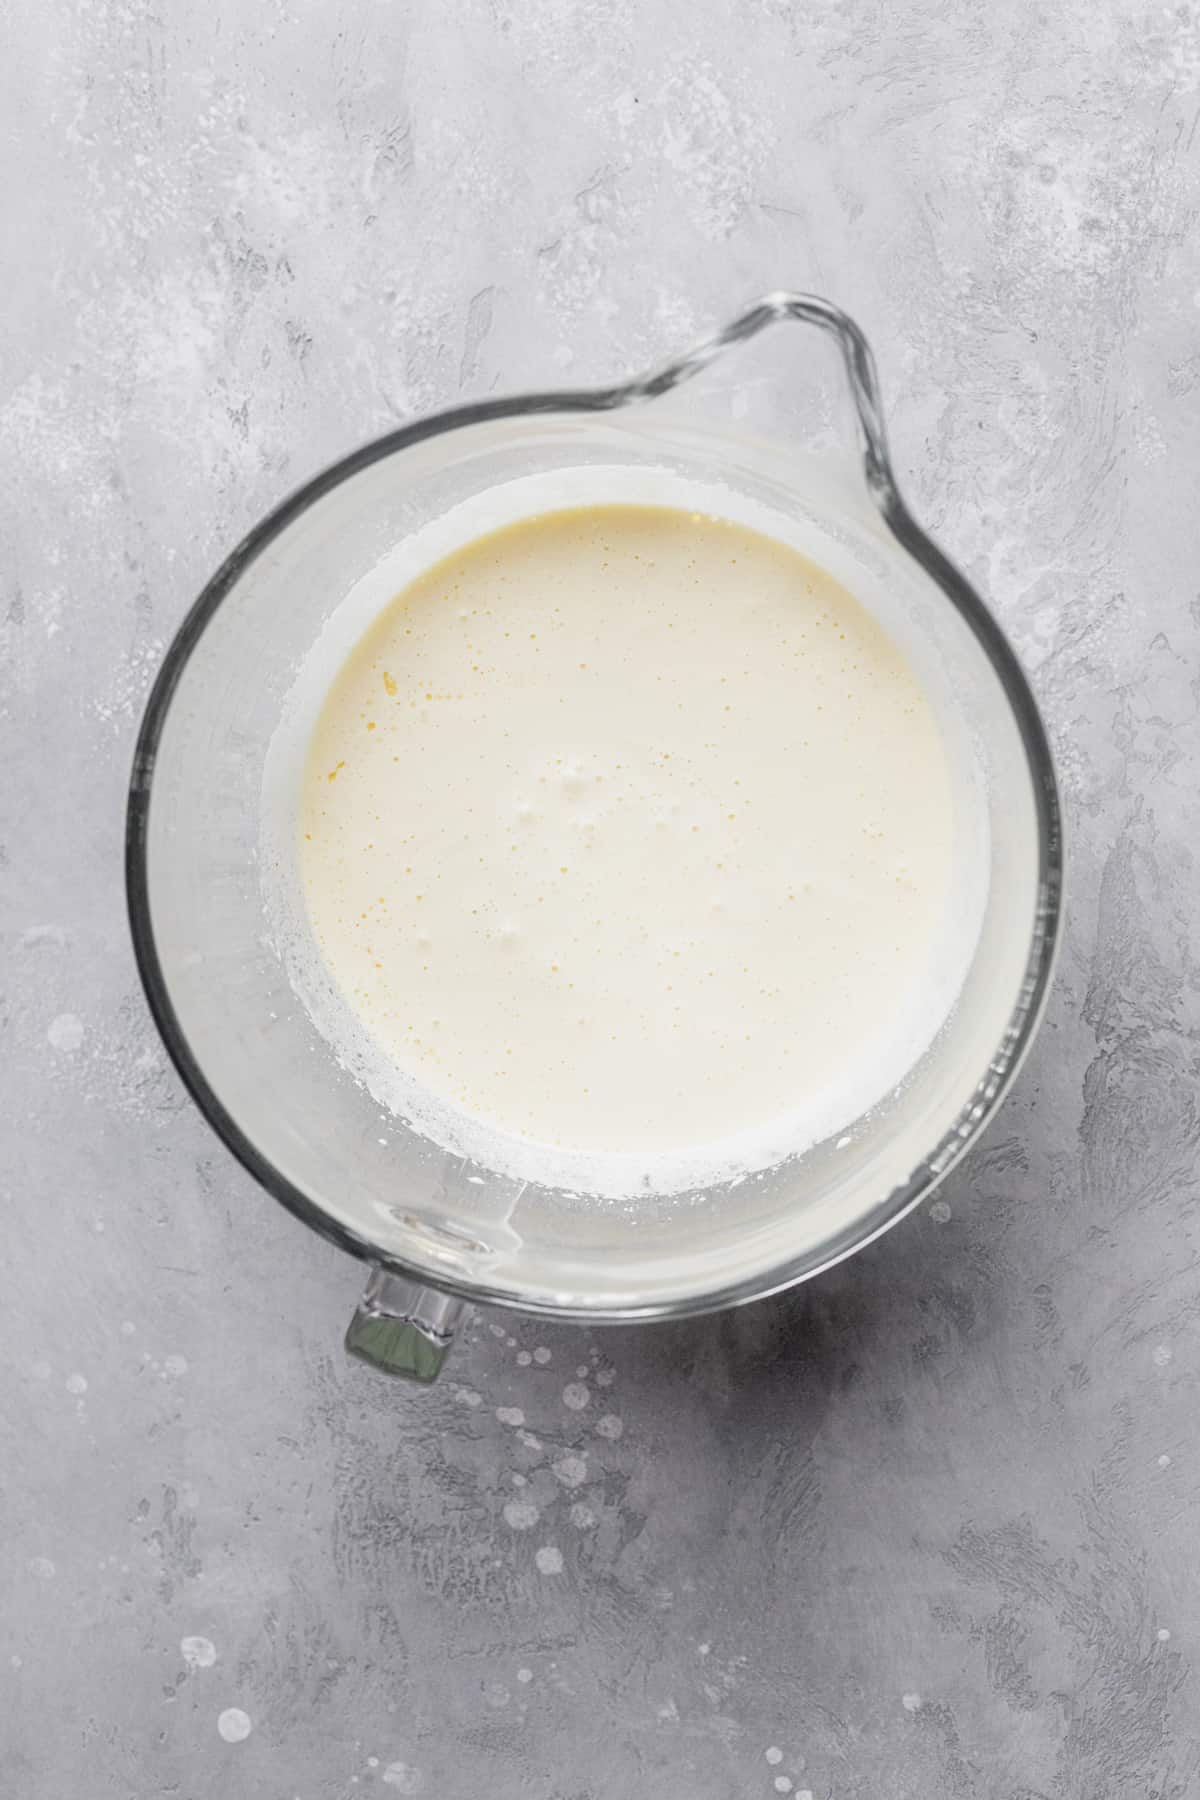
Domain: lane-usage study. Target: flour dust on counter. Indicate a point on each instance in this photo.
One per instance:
(626, 829)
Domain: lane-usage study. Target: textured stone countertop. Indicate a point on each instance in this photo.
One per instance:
(924, 1529)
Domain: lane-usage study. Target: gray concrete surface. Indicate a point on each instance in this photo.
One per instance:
(926, 1529)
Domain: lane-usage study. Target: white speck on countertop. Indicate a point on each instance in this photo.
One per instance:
(773, 1754)
(35, 935)
(911, 1702)
(65, 1033)
(198, 1652)
(1162, 1355)
(576, 1396)
(404, 1777)
(510, 1415)
(549, 1560)
(234, 1725)
(76, 1384)
(521, 1515)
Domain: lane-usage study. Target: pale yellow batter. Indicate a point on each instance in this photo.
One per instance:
(627, 829)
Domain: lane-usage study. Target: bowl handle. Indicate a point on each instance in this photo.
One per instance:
(403, 1328)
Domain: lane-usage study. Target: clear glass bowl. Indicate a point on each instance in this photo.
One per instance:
(802, 436)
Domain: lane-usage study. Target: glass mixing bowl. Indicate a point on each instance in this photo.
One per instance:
(801, 437)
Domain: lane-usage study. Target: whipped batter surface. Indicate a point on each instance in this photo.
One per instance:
(627, 829)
